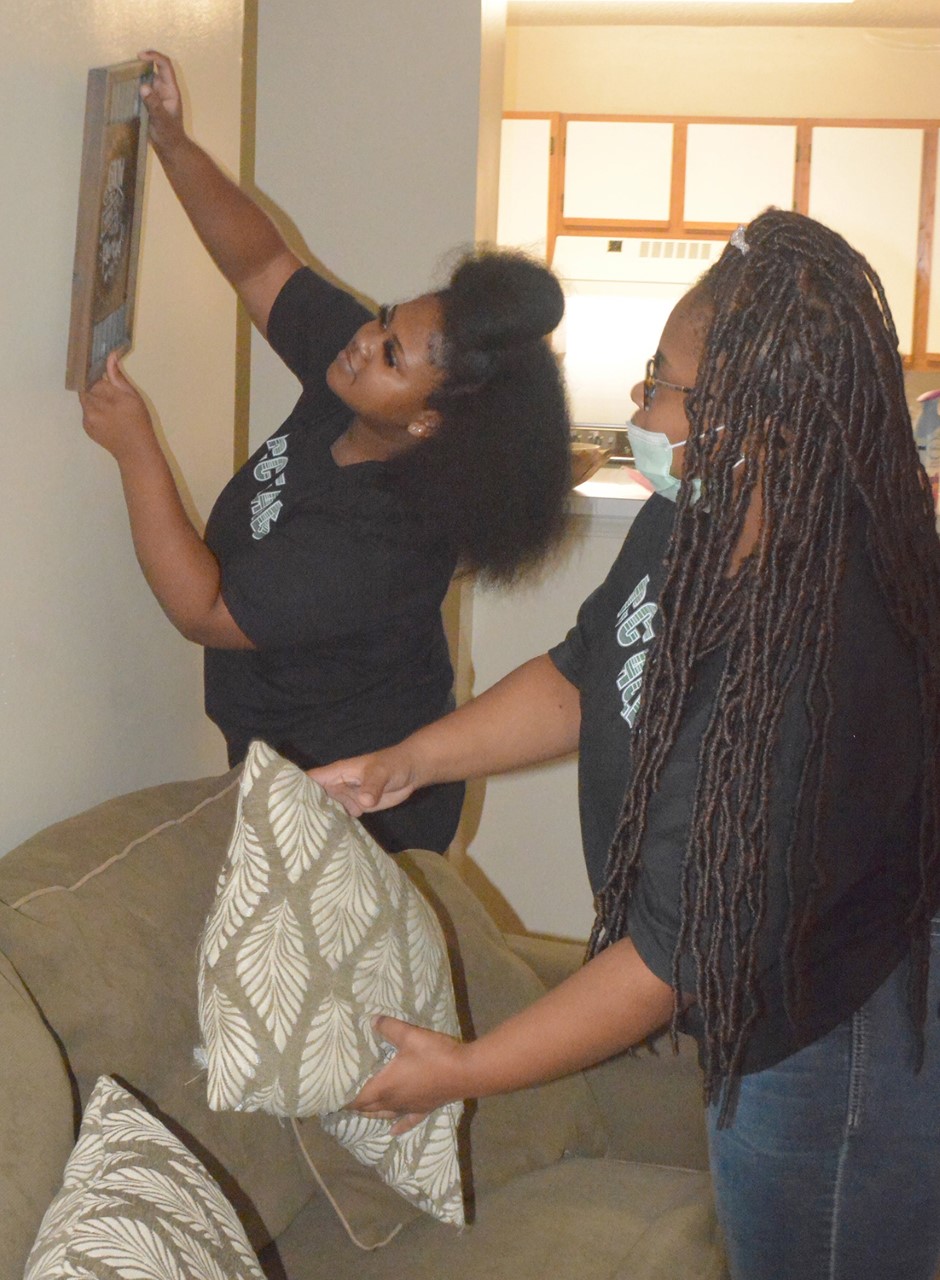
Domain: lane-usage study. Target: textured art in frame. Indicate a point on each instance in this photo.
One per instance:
(107, 238)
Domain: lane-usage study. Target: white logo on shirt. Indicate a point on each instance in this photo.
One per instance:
(634, 625)
(266, 505)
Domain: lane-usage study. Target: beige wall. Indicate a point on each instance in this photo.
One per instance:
(98, 693)
(752, 71)
(492, 81)
(367, 130)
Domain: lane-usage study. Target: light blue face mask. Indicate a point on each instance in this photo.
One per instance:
(652, 453)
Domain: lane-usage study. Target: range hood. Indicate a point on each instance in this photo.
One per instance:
(618, 295)
(602, 260)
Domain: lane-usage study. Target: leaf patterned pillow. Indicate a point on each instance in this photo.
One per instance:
(314, 931)
(135, 1203)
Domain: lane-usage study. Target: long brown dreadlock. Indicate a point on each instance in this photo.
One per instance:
(800, 368)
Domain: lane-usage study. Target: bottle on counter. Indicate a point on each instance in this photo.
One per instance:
(927, 439)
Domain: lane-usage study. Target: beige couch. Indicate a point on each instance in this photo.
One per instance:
(99, 920)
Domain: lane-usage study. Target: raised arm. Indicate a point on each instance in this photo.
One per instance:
(243, 241)
(531, 715)
(180, 569)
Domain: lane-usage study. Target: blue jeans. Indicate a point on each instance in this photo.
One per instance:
(831, 1167)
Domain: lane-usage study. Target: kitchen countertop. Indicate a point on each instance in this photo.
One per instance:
(612, 492)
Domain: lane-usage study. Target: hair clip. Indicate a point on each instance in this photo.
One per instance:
(738, 240)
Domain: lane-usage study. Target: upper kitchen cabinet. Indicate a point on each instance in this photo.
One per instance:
(617, 171)
(929, 265)
(527, 148)
(733, 171)
(865, 182)
(876, 182)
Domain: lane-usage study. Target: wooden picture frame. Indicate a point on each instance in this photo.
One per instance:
(107, 237)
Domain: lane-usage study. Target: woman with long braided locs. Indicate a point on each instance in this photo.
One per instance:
(754, 694)
(800, 368)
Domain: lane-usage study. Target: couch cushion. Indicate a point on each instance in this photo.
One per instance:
(506, 1136)
(101, 915)
(511, 1133)
(665, 1123)
(313, 932)
(37, 1126)
(575, 1218)
(135, 1203)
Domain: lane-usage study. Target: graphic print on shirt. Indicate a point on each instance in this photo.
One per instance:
(266, 505)
(634, 627)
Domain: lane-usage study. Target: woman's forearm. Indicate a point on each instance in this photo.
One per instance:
(614, 1002)
(180, 570)
(531, 715)
(609, 1005)
(239, 236)
(242, 240)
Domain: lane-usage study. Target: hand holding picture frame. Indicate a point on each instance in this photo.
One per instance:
(107, 238)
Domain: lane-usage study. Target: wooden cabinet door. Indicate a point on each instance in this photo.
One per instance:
(618, 171)
(865, 183)
(734, 171)
(933, 265)
(524, 171)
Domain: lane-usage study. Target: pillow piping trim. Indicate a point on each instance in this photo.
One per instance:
(125, 852)
(347, 1226)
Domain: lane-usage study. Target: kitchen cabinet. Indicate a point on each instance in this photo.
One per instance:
(933, 263)
(691, 179)
(618, 170)
(524, 178)
(733, 171)
(865, 183)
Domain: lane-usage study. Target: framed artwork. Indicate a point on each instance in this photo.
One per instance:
(107, 238)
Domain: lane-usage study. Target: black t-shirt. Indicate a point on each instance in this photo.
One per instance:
(871, 824)
(337, 578)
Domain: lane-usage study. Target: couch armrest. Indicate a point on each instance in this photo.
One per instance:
(37, 1120)
(650, 1101)
(652, 1105)
(552, 958)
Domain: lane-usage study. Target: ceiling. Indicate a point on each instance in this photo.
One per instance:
(904, 14)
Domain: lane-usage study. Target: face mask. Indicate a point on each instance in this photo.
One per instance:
(652, 453)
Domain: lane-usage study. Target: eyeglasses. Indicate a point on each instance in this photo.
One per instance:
(651, 382)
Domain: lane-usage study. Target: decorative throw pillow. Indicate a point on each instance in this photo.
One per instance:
(508, 1135)
(313, 932)
(135, 1203)
(101, 915)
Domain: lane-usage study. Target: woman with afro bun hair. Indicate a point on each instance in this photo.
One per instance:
(429, 438)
